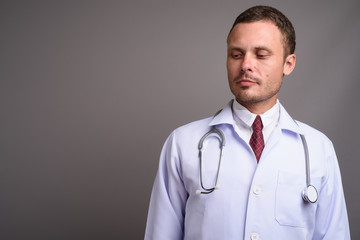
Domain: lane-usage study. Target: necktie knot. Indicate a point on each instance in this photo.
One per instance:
(257, 140)
(257, 124)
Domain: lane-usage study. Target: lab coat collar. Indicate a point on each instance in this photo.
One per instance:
(225, 116)
(286, 122)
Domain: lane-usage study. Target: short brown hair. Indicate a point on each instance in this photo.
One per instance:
(266, 13)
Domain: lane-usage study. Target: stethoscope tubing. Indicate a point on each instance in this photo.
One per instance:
(309, 194)
(200, 146)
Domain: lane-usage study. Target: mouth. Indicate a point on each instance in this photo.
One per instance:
(246, 82)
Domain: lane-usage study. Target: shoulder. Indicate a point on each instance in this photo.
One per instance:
(186, 137)
(192, 132)
(314, 134)
(193, 128)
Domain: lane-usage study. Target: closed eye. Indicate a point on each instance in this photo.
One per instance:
(262, 53)
(236, 55)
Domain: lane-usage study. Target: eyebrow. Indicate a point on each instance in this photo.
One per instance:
(257, 48)
(263, 48)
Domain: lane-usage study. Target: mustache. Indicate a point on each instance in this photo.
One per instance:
(248, 77)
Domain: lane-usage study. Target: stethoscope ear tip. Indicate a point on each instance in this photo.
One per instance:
(198, 192)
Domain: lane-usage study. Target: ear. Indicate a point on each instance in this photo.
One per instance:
(289, 64)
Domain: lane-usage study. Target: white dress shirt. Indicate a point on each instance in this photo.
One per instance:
(244, 120)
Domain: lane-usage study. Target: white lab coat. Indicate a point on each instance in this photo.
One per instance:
(255, 201)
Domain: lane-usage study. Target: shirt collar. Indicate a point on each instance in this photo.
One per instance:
(286, 122)
(247, 117)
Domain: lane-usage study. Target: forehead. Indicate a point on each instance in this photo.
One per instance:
(260, 33)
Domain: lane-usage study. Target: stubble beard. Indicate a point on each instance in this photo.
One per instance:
(244, 97)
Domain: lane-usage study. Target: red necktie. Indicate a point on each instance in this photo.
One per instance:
(257, 139)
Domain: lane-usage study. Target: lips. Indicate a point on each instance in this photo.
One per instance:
(244, 82)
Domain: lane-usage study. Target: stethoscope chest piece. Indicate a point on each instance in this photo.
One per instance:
(310, 194)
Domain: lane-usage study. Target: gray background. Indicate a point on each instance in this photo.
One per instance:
(89, 91)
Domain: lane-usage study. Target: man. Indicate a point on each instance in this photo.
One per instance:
(256, 190)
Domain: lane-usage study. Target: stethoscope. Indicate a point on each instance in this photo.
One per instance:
(309, 194)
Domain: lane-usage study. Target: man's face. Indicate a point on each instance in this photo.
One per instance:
(256, 64)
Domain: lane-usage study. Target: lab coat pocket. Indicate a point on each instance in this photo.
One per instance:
(290, 208)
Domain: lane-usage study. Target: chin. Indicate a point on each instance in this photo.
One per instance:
(247, 98)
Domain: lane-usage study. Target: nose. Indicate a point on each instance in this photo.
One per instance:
(247, 64)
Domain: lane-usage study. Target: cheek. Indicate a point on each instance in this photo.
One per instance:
(231, 69)
(272, 72)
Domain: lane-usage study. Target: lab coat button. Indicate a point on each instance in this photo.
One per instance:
(255, 236)
(257, 190)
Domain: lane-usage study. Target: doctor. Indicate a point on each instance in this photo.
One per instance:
(263, 169)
